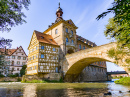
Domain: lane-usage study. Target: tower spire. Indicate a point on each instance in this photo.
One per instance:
(59, 13)
(59, 4)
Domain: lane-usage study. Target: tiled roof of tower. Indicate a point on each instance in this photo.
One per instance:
(85, 41)
(45, 38)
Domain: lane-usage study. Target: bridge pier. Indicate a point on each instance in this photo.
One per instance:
(71, 77)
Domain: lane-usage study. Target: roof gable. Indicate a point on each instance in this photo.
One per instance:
(33, 36)
(71, 23)
(45, 38)
(19, 50)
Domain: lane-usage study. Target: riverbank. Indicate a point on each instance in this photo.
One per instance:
(42, 81)
(10, 79)
(125, 80)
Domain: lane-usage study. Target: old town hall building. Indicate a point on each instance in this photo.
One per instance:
(47, 49)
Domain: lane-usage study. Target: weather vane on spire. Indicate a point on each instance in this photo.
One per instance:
(59, 3)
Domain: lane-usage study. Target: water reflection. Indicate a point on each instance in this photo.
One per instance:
(63, 90)
(30, 90)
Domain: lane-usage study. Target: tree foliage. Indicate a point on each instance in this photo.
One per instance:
(119, 54)
(5, 42)
(119, 26)
(23, 70)
(11, 13)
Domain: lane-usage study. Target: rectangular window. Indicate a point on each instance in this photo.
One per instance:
(35, 67)
(13, 57)
(67, 40)
(54, 49)
(23, 63)
(56, 32)
(42, 47)
(18, 62)
(18, 69)
(71, 32)
(30, 68)
(24, 58)
(36, 56)
(42, 55)
(32, 50)
(79, 46)
(72, 41)
(33, 57)
(67, 30)
(83, 47)
(36, 47)
(19, 57)
(54, 57)
(30, 58)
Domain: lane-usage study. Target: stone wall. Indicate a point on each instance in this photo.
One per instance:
(50, 76)
(13, 79)
(93, 73)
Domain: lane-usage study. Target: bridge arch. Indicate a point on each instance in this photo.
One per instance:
(74, 63)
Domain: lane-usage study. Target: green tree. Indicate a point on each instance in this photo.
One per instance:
(11, 13)
(23, 70)
(121, 22)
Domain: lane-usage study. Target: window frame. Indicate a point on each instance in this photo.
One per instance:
(56, 31)
(42, 47)
(67, 40)
(54, 49)
(42, 56)
(66, 30)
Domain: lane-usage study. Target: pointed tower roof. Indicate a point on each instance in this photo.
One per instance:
(59, 14)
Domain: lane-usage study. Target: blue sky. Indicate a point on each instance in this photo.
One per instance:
(83, 13)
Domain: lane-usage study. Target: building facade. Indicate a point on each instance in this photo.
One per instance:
(14, 60)
(53, 44)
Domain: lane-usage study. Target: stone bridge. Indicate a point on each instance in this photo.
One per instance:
(74, 63)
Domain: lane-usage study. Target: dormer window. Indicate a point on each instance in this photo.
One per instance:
(56, 31)
(42, 37)
(50, 39)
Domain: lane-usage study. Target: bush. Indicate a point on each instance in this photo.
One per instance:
(34, 81)
(18, 79)
(1, 75)
(11, 75)
(125, 80)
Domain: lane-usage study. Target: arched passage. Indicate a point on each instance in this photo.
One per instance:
(70, 51)
(74, 63)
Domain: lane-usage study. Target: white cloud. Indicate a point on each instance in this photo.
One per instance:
(82, 16)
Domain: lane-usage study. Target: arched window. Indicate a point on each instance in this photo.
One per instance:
(67, 40)
(71, 32)
(72, 41)
(67, 30)
(56, 32)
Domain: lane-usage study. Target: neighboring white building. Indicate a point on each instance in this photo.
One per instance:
(15, 59)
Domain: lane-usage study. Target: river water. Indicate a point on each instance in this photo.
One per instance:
(17, 89)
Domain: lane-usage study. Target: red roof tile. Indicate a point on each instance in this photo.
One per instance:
(45, 38)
